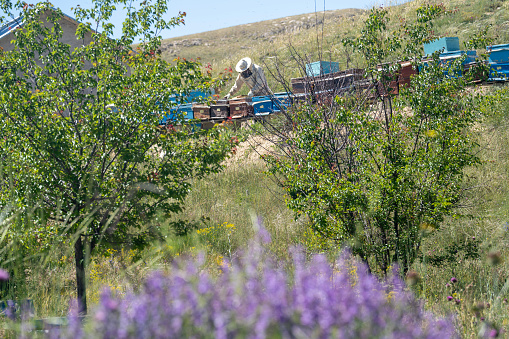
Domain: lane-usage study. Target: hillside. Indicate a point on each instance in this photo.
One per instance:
(214, 46)
(268, 42)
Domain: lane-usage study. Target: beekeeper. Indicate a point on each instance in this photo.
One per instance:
(252, 75)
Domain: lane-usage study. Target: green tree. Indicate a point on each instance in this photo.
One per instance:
(81, 144)
(372, 170)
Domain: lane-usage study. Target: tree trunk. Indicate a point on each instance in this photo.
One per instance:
(80, 276)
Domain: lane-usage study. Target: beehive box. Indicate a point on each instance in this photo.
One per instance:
(319, 68)
(498, 53)
(219, 111)
(240, 110)
(261, 98)
(201, 111)
(391, 87)
(199, 95)
(448, 44)
(262, 107)
(451, 56)
(479, 74)
(405, 74)
(346, 80)
(178, 113)
(447, 59)
(193, 95)
(327, 82)
(300, 98)
(325, 97)
(499, 72)
(364, 87)
(302, 85)
(240, 99)
(281, 101)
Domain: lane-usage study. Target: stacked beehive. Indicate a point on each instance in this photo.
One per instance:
(324, 81)
(499, 62)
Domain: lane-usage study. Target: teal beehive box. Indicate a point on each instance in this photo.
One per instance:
(498, 53)
(318, 68)
(448, 44)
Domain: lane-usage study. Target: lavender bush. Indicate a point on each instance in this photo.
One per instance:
(255, 297)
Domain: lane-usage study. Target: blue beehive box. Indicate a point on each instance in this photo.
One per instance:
(194, 95)
(447, 58)
(261, 98)
(281, 101)
(263, 107)
(199, 95)
(499, 72)
(498, 53)
(318, 68)
(450, 56)
(184, 111)
(448, 44)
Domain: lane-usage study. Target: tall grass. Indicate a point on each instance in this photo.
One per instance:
(237, 195)
(473, 248)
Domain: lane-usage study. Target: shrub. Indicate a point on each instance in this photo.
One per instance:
(372, 170)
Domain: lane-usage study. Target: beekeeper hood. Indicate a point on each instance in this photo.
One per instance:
(243, 64)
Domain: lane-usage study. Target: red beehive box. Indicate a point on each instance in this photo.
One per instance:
(405, 73)
(389, 83)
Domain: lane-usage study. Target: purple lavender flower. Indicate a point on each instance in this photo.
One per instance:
(454, 280)
(257, 297)
(4, 275)
(449, 298)
(493, 333)
(10, 310)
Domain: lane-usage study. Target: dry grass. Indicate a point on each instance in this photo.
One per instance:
(267, 42)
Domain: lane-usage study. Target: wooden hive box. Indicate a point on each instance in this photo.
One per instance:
(405, 73)
(201, 111)
(219, 110)
(327, 82)
(302, 85)
(240, 110)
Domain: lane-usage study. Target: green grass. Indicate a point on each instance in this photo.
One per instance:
(243, 192)
(484, 227)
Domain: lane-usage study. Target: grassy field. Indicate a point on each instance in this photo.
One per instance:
(223, 207)
(317, 36)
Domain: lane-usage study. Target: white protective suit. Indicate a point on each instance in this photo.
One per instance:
(256, 82)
